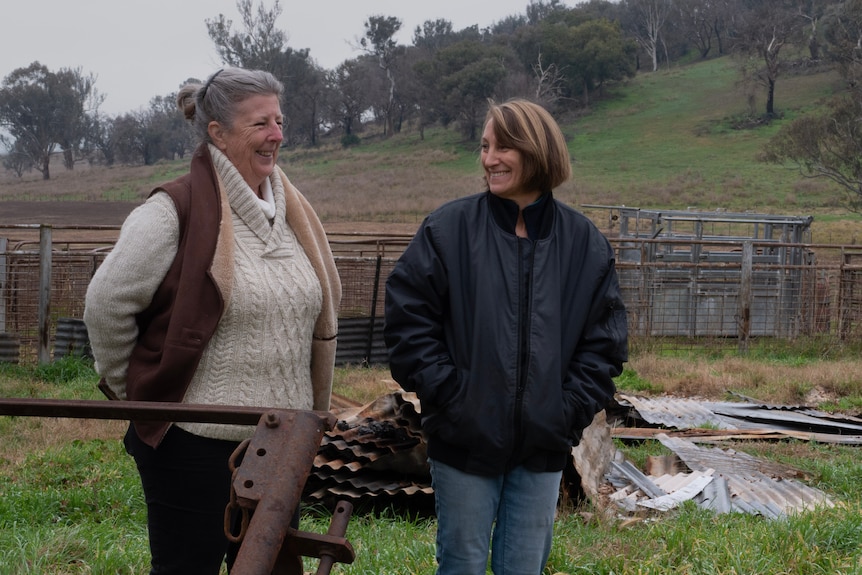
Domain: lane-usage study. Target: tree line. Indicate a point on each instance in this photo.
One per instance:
(563, 57)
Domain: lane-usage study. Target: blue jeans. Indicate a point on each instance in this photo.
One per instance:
(511, 516)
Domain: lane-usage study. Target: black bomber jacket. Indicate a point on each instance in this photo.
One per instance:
(510, 343)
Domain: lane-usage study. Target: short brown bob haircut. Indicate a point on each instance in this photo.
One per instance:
(530, 129)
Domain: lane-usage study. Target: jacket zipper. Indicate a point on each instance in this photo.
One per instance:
(525, 290)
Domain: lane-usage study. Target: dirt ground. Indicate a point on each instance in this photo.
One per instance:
(67, 213)
(20, 220)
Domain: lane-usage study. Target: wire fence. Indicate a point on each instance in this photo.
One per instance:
(729, 293)
(679, 293)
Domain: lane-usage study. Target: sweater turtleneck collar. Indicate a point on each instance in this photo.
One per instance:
(237, 186)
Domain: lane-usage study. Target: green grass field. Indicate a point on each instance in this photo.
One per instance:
(71, 503)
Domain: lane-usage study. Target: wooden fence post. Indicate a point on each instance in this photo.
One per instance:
(4, 280)
(744, 321)
(44, 293)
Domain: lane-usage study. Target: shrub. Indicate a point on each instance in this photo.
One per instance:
(348, 140)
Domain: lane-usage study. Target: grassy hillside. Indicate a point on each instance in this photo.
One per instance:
(664, 141)
(668, 141)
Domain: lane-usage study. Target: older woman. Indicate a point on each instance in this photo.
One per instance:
(221, 289)
(504, 316)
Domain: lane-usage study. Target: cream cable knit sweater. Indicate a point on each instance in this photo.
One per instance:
(261, 352)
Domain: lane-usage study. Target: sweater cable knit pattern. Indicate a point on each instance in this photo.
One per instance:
(261, 352)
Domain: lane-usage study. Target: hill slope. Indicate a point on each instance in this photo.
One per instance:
(666, 140)
(663, 141)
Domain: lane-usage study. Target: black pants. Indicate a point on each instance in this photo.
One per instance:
(186, 485)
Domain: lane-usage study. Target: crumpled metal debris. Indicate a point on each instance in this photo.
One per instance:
(722, 480)
(375, 456)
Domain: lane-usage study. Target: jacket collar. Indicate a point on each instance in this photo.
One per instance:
(537, 216)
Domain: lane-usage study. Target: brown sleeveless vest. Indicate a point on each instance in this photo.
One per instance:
(186, 308)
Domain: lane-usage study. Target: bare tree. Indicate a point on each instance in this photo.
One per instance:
(258, 45)
(379, 41)
(549, 82)
(651, 18)
(697, 19)
(766, 30)
(811, 11)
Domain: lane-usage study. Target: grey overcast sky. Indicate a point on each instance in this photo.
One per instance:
(138, 49)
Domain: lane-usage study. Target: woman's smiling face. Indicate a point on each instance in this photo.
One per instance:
(504, 169)
(252, 142)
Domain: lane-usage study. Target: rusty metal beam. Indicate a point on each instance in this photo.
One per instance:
(269, 482)
(143, 411)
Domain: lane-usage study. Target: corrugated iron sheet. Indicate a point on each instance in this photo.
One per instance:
(747, 484)
(798, 419)
(753, 480)
(360, 341)
(677, 413)
(376, 455)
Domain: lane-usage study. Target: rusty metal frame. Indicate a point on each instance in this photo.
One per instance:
(267, 485)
